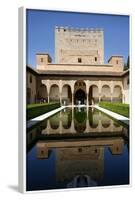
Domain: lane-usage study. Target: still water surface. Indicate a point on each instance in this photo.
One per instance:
(77, 148)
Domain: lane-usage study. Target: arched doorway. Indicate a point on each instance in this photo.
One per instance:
(80, 97)
(80, 92)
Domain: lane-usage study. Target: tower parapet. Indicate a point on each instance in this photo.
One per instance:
(117, 62)
(42, 59)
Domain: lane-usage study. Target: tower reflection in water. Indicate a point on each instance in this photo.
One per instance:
(83, 142)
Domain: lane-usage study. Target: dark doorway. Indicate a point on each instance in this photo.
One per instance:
(80, 96)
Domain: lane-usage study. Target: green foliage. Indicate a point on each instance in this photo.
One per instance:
(34, 110)
(126, 65)
(32, 105)
(128, 62)
(120, 108)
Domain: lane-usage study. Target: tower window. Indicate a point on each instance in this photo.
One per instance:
(41, 59)
(95, 58)
(117, 62)
(79, 60)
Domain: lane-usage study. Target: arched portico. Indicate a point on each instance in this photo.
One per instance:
(88, 92)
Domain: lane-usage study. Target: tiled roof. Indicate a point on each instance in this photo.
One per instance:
(76, 73)
(80, 73)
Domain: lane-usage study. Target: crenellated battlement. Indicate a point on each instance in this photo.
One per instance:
(75, 29)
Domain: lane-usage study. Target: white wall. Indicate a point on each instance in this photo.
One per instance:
(95, 91)
(54, 92)
(117, 92)
(65, 92)
(126, 89)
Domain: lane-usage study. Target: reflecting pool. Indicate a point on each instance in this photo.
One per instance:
(77, 147)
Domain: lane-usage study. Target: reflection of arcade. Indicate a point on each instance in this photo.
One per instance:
(80, 163)
(80, 120)
(76, 124)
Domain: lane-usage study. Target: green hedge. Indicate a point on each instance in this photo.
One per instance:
(34, 110)
(120, 108)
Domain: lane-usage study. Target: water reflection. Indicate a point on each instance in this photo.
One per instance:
(77, 122)
(80, 148)
(78, 161)
(80, 121)
(88, 148)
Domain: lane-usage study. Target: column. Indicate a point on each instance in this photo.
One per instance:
(87, 99)
(48, 90)
(111, 97)
(123, 98)
(72, 91)
(60, 123)
(48, 127)
(87, 91)
(72, 113)
(48, 98)
(87, 126)
(60, 99)
(122, 94)
(99, 98)
(60, 91)
(87, 113)
(112, 88)
(72, 99)
(99, 89)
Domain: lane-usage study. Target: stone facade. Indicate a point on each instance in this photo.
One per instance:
(81, 46)
(79, 74)
(31, 86)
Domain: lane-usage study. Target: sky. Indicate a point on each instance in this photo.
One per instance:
(40, 27)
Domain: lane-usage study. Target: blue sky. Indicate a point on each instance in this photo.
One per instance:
(41, 24)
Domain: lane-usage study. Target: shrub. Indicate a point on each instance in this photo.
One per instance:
(34, 110)
(120, 108)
